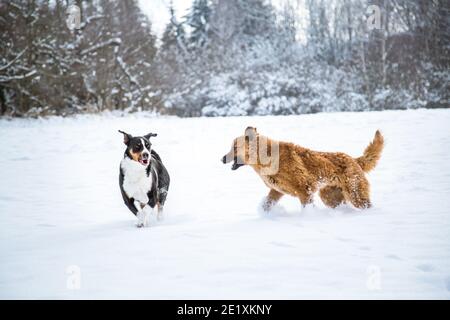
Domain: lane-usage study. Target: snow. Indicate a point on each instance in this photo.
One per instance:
(61, 212)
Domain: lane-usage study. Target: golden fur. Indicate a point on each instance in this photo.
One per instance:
(338, 177)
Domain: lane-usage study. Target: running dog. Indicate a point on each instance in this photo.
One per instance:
(301, 172)
(143, 179)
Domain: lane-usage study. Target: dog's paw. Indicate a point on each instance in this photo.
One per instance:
(266, 205)
(140, 225)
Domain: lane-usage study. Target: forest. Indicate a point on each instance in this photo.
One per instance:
(224, 57)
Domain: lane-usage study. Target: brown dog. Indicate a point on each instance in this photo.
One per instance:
(287, 168)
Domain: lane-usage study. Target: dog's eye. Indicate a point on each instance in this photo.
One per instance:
(147, 145)
(137, 148)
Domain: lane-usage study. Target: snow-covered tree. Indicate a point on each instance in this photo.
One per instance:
(225, 57)
(198, 19)
(174, 36)
(45, 68)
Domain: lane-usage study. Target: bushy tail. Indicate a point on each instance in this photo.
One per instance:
(372, 154)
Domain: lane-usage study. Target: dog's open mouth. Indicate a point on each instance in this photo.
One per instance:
(144, 162)
(236, 164)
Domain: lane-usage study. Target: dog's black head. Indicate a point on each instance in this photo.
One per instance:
(138, 148)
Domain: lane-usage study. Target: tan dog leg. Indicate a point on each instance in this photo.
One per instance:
(332, 196)
(306, 195)
(272, 199)
(356, 191)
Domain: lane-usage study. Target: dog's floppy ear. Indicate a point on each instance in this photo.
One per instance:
(251, 132)
(126, 137)
(148, 136)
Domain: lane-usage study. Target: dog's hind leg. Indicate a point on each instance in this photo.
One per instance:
(160, 204)
(356, 191)
(332, 196)
(272, 198)
(159, 212)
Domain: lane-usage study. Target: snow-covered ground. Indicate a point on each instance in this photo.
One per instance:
(62, 218)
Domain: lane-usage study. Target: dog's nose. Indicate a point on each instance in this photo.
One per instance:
(145, 155)
(224, 159)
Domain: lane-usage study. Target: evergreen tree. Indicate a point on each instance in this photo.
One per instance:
(259, 18)
(240, 20)
(174, 35)
(198, 20)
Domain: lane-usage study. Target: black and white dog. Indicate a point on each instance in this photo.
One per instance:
(144, 181)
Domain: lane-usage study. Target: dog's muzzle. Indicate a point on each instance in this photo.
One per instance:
(226, 159)
(144, 158)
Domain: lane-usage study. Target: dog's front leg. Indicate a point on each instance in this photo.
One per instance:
(306, 200)
(141, 214)
(148, 211)
(271, 199)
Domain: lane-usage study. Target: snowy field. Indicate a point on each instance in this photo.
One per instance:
(61, 211)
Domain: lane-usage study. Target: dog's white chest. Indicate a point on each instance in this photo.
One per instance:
(136, 183)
